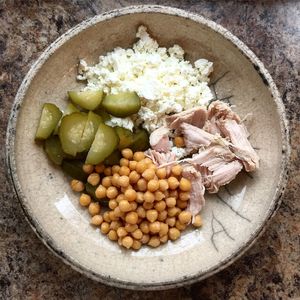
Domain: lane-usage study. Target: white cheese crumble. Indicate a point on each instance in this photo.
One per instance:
(121, 122)
(163, 79)
(180, 152)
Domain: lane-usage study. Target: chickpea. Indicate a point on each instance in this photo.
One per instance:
(115, 225)
(173, 183)
(120, 197)
(77, 185)
(124, 206)
(106, 181)
(148, 174)
(148, 205)
(141, 185)
(131, 227)
(136, 245)
(154, 242)
(97, 220)
(130, 194)
(94, 208)
(147, 161)
(153, 167)
(93, 179)
(85, 199)
(151, 215)
(124, 170)
(133, 205)
(99, 168)
(171, 221)
(112, 204)
(171, 202)
(176, 170)
(197, 222)
(145, 239)
(137, 234)
(121, 232)
(144, 226)
(163, 239)
(181, 204)
(173, 211)
(164, 228)
(132, 165)
(88, 169)
(160, 206)
(185, 184)
(154, 227)
(115, 169)
(115, 180)
(124, 189)
(120, 241)
(134, 176)
(139, 197)
(185, 217)
(153, 185)
(163, 185)
(180, 226)
(174, 234)
(118, 213)
(104, 228)
(100, 192)
(162, 216)
(123, 181)
(184, 196)
(179, 141)
(141, 212)
(127, 242)
(149, 197)
(112, 216)
(131, 217)
(173, 194)
(111, 192)
(107, 171)
(124, 162)
(127, 153)
(106, 217)
(141, 167)
(161, 173)
(159, 195)
(112, 235)
(138, 156)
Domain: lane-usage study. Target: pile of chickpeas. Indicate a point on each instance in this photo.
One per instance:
(146, 204)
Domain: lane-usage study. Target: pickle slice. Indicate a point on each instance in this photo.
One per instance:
(122, 104)
(105, 142)
(74, 169)
(126, 137)
(140, 140)
(54, 150)
(113, 159)
(49, 119)
(71, 131)
(86, 99)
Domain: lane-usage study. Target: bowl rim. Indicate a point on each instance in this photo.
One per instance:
(11, 132)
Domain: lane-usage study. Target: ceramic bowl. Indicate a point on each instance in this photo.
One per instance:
(233, 219)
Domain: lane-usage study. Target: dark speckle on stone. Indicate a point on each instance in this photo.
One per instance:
(269, 270)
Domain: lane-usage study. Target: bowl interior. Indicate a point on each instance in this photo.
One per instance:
(231, 218)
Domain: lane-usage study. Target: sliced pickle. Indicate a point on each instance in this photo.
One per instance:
(86, 99)
(54, 150)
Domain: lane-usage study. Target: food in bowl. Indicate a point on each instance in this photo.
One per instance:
(144, 140)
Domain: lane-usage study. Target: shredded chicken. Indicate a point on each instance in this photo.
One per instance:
(159, 139)
(161, 159)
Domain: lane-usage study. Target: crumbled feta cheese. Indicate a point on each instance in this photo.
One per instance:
(180, 152)
(121, 122)
(161, 77)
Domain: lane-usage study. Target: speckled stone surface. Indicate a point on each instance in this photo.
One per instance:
(270, 270)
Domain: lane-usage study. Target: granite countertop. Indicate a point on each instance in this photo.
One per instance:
(269, 270)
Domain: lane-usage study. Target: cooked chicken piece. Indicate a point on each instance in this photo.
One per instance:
(222, 175)
(211, 126)
(220, 110)
(159, 139)
(162, 158)
(240, 144)
(197, 200)
(194, 116)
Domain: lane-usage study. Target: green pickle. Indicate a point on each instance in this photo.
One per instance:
(71, 131)
(49, 119)
(54, 150)
(103, 114)
(86, 99)
(122, 104)
(113, 159)
(140, 140)
(105, 142)
(74, 169)
(126, 137)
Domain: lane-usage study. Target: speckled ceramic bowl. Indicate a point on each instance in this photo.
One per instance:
(233, 219)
